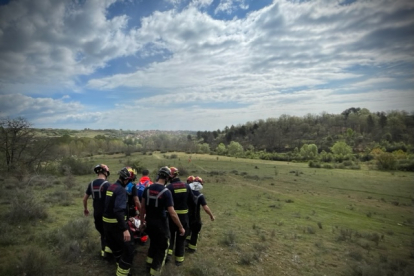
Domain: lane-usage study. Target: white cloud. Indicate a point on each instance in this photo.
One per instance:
(53, 40)
(290, 57)
(229, 6)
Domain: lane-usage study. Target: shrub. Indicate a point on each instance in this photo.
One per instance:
(386, 161)
(8, 234)
(71, 251)
(35, 261)
(24, 207)
(406, 165)
(327, 166)
(246, 258)
(77, 166)
(229, 239)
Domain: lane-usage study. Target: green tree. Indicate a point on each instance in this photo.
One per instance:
(341, 148)
(309, 151)
(205, 148)
(221, 149)
(235, 149)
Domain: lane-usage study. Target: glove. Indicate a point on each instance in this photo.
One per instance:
(86, 212)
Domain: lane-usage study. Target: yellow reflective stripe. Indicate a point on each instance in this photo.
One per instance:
(102, 253)
(180, 191)
(109, 193)
(121, 271)
(181, 212)
(153, 272)
(179, 259)
(170, 251)
(149, 260)
(109, 220)
(108, 250)
(192, 246)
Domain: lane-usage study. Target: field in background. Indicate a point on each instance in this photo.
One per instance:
(272, 218)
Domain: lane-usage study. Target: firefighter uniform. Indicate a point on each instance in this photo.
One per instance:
(115, 224)
(195, 220)
(157, 199)
(182, 197)
(97, 189)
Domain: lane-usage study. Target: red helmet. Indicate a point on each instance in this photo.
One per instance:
(198, 179)
(190, 179)
(101, 168)
(174, 172)
(133, 173)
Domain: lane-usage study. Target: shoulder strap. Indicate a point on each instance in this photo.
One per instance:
(97, 190)
(155, 197)
(197, 197)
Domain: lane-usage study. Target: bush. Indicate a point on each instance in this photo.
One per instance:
(82, 229)
(35, 261)
(24, 207)
(229, 239)
(77, 166)
(406, 165)
(386, 161)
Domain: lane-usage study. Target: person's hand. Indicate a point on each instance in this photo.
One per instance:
(182, 231)
(212, 218)
(86, 212)
(127, 236)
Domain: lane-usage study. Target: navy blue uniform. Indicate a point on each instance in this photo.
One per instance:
(115, 224)
(157, 199)
(97, 189)
(195, 219)
(182, 197)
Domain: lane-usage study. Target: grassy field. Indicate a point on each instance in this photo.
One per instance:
(272, 218)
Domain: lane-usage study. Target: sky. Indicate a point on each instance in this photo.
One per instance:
(201, 64)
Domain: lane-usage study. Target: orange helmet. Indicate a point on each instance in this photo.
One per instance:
(190, 179)
(198, 179)
(174, 172)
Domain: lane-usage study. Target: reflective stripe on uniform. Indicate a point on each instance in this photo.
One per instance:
(180, 191)
(122, 272)
(109, 220)
(109, 193)
(153, 272)
(170, 251)
(179, 259)
(149, 260)
(192, 246)
(181, 212)
(107, 249)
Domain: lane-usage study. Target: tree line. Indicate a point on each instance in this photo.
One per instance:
(355, 135)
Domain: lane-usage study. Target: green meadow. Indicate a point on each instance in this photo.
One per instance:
(272, 218)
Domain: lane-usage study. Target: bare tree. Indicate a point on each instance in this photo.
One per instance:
(20, 146)
(15, 137)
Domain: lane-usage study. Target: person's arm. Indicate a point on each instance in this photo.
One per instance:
(119, 211)
(85, 204)
(175, 218)
(142, 214)
(208, 211)
(137, 204)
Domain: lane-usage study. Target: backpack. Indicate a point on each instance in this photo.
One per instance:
(155, 197)
(195, 199)
(141, 188)
(97, 190)
(128, 188)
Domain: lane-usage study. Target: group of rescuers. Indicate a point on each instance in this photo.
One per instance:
(167, 211)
